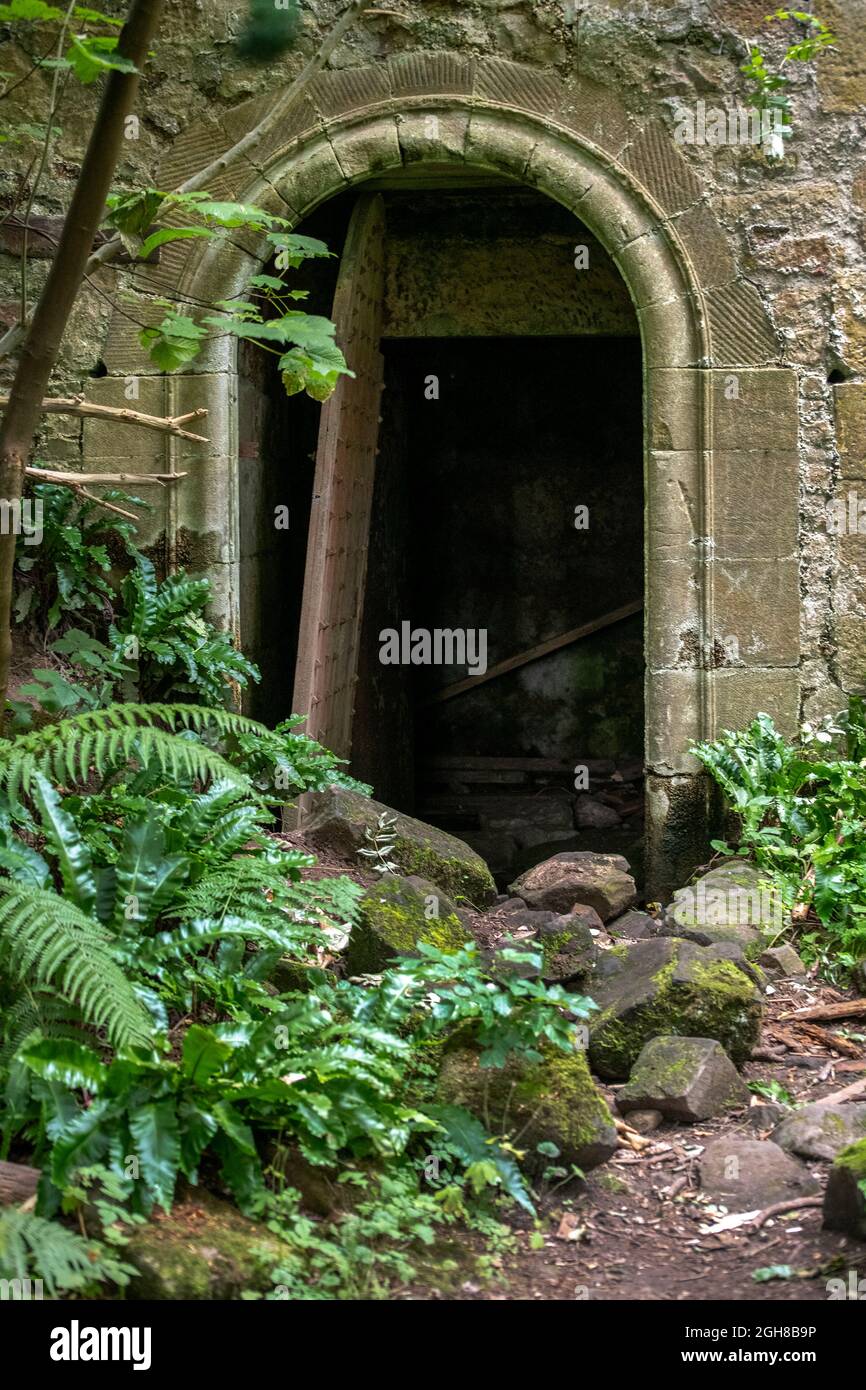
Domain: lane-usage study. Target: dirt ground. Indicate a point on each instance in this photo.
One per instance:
(638, 1228)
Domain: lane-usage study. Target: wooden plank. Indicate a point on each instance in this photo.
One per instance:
(552, 644)
(336, 566)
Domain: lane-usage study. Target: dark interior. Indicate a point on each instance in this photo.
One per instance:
(487, 447)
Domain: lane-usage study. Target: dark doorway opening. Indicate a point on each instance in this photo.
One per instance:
(474, 528)
(488, 445)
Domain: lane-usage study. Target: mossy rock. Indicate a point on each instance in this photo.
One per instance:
(845, 1198)
(204, 1249)
(394, 916)
(337, 820)
(733, 902)
(685, 1079)
(669, 986)
(551, 1101)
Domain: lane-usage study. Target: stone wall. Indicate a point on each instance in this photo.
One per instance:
(749, 278)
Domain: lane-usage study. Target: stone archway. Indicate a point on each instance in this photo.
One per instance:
(721, 523)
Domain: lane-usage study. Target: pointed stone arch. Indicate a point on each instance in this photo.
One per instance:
(721, 483)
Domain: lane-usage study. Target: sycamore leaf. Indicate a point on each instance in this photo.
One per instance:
(166, 234)
(91, 56)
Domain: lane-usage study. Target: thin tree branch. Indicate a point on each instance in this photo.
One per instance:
(77, 405)
(53, 475)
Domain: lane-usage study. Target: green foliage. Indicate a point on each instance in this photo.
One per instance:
(174, 650)
(770, 89)
(803, 819)
(65, 574)
(32, 1247)
(268, 31)
(287, 762)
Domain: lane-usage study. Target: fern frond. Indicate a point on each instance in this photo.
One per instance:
(33, 1248)
(49, 943)
(98, 741)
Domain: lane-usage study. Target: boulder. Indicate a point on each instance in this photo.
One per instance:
(767, 1114)
(551, 1101)
(568, 944)
(780, 961)
(845, 1197)
(203, 1249)
(684, 1078)
(558, 884)
(394, 916)
(337, 820)
(633, 926)
(733, 902)
(590, 814)
(750, 1174)
(821, 1131)
(669, 986)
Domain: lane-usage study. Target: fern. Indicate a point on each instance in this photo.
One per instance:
(51, 945)
(33, 1248)
(96, 742)
(257, 890)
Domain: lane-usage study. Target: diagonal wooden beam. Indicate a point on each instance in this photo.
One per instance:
(552, 644)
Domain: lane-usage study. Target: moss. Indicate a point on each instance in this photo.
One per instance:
(854, 1158)
(609, 1182)
(708, 1000)
(472, 881)
(203, 1250)
(393, 921)
(554, 1101)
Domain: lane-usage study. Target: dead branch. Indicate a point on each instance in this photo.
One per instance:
(77, 405)
(796, 1204)
(857, 1088)
(76, 480)
(109, 506)
(851, 1008)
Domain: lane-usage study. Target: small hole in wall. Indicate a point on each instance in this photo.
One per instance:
(836, 377)
(100, 369)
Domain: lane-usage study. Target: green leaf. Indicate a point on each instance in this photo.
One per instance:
(471, 1141)
(155, 1129)
(73, 1065)
(68, 845)
(30, 9)
(763, 1276)
(166, 234)
(147, 878)
(88, 57)
(203, 1054)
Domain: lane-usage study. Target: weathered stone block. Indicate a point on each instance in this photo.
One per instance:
(741, 332)
(656, 162)
(673, 721)
(740, 695)
(684, 1078)
(674, 515)
(673, 402)
(374, 149)
(755, 409)
(851, 428)
(433, 136)
(757, 611)
(756, 503)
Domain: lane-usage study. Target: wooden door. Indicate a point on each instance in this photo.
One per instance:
(336, 566)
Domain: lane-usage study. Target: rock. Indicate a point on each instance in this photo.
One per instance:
(766, 1115)
(685, 1078)
(557, 884)
(781, 961)
(821, 1131)
(645, 1121)
(633, 926)
(337, 819)
(750, 1174)
(394, 915)
(669, 986)
(204, 1249)
(733, 902)
(569, 947)
(551, 1101)
(845, 1197)
(590, 814)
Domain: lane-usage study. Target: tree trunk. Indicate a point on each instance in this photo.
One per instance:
(57, 300)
